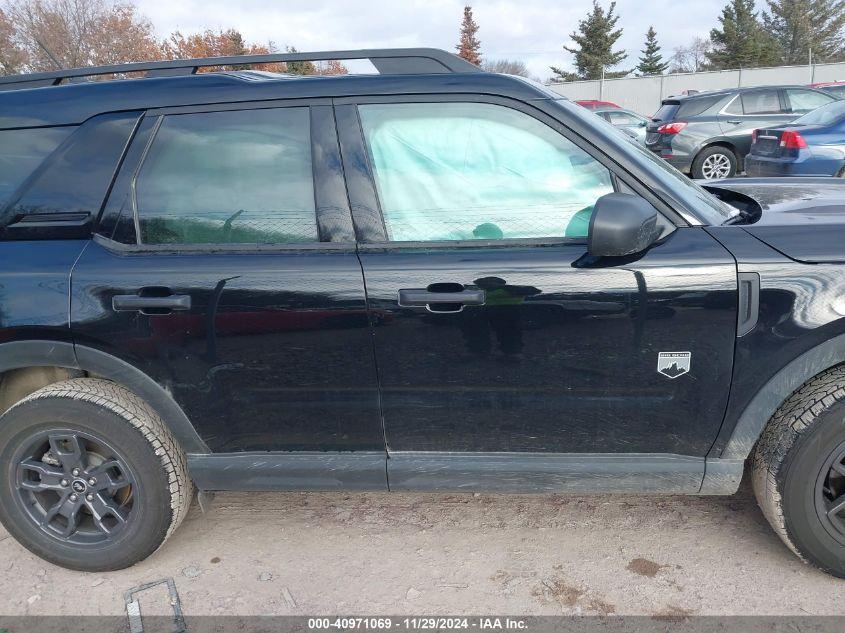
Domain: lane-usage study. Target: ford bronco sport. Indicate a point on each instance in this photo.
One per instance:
(431, 278)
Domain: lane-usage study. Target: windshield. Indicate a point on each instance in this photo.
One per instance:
(825, 115)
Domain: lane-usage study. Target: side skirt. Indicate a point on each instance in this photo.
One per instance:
(583, 473)
(289, 471)
(546, 472)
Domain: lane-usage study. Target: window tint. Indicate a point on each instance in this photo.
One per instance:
(21, 151)
(463, 171)
(229, 177)
(667, 111)
(803, 101)
(697, 106)
(761, 102)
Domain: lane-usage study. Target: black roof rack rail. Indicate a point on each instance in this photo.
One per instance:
(388, 61)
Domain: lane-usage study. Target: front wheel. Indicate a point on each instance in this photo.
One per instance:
(90, 477)
(714, 162)
(799, 472)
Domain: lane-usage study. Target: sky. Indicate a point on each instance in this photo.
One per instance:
(533, 31)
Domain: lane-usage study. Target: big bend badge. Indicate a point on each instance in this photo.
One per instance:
(673, 364)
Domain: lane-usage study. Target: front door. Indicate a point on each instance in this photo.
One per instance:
(218, 275)
(496, 333)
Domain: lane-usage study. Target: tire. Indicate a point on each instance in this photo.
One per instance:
(715, 158)
(793, 473)
(131, 492)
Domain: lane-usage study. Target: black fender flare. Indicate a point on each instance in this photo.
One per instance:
(783, 384)
(42, 353)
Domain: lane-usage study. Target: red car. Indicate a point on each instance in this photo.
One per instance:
(835, 88)
(593, 104)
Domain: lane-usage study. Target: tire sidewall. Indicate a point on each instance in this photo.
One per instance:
(710, 151)
(796, 481)
(151, 511)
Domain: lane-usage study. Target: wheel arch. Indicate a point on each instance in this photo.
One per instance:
(19, 355)
(776, 391)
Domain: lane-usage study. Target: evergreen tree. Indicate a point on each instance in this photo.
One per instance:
(742, 41)
(469, 47)
(801, 26)
(300, 68)
(651, 62)
(594, 41)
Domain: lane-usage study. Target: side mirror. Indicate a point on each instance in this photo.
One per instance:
(621, 224)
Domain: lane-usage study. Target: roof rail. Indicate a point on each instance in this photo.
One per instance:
(388, 61)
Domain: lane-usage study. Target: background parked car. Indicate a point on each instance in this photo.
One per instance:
(709, 134)
(593, 104)
(812, 145)
(836, 88)
(629, 122)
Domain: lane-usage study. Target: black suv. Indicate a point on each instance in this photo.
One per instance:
(434, 278)
(708, 134)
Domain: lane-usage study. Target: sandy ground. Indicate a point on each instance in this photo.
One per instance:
(321, 553)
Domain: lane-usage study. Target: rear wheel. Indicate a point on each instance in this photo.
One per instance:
(90, 477)
(799, 472)
(714, 162)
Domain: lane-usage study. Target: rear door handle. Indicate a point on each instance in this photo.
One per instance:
(419, 297)
(734, 122)
(150, 304)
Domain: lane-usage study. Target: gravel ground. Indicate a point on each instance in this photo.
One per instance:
(332, 553)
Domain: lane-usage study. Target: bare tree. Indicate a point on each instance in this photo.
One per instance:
(692, 58)
(506, 67)
(73, 33)
(12, 56)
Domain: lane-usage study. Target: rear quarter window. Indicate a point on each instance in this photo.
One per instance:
(694, 107)
(22, 151)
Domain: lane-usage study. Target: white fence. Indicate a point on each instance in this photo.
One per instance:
(644, 94)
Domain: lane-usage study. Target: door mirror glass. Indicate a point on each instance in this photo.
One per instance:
(621, 224)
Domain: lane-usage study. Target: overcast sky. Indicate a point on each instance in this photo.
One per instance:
(533, 31)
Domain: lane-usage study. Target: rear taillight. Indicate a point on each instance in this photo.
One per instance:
(671, 128)
(792, 140)
(754, 136)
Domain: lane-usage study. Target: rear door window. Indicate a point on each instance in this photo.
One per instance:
(22, 151)
(234, 177)
(761, 102)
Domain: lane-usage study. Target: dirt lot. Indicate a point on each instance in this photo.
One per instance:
(451, 554)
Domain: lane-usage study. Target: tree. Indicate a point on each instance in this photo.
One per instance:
(741, 42)
(506, 67)
(594, 41)
(12, 56)
(801, 26)
(214, 44)
(651, 62)
(469, 47)
(692, 58)
(73, 33)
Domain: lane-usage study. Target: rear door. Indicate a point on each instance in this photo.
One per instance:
(507, 356)
(225, 268)
(749, 111)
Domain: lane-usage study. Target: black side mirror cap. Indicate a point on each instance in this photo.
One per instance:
(621, 224)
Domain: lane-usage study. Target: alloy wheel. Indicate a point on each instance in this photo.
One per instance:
(74, 487)
(716, 166)
(830, 494)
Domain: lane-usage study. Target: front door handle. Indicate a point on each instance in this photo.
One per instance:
(734, 122)
(423, 297)
(150, 304)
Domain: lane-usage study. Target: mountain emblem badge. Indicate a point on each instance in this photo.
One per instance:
(673, 364)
